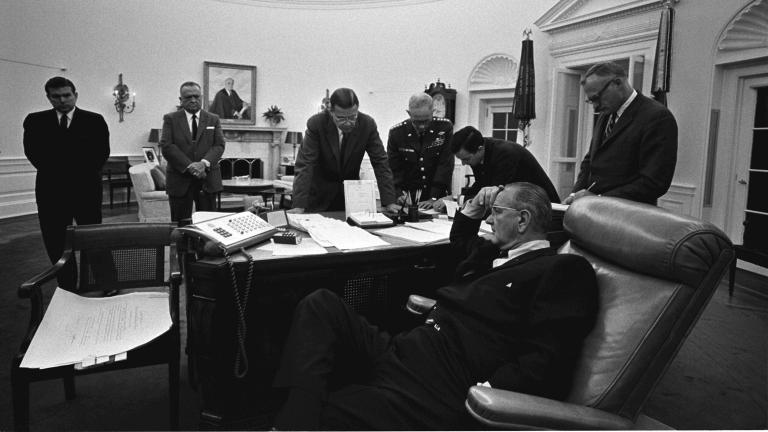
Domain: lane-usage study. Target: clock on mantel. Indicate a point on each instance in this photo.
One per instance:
(444, 100)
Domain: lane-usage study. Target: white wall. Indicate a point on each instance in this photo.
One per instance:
(385, 54)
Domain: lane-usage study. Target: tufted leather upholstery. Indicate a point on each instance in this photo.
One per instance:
(656, 272)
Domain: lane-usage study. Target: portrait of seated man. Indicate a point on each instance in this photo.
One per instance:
(514, 318)
(227, 104)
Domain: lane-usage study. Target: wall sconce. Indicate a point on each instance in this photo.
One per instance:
(123, 97)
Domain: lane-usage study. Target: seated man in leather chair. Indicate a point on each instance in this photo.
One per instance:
(516, 321)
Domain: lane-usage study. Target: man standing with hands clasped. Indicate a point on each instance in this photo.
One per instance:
(192, 143)
(68, 146)
(634, 144)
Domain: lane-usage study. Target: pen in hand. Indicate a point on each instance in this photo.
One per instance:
(592, 185)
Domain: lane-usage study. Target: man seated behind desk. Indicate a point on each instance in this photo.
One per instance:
(495, 161)
(332, 152)
(516, 320)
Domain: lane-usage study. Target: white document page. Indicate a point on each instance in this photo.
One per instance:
(435, 226)
(345, 237)
(412, 234)
(77, 328)
(451, 207)
(359, 196)
(370, 217)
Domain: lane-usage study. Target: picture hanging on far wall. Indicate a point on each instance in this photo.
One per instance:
(229, 91)
(150, 156)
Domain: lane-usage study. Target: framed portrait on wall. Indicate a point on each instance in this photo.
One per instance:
(150, 156)
(229, 91)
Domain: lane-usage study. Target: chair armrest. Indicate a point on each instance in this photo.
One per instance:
(419, 305)
(154, 195)
(174, 282)
(506, 409)
(33, 284)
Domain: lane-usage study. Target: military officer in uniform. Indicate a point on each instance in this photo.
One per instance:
(419, 152)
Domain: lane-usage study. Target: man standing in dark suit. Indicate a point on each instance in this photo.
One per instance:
(68, 146)
(192, 143)
(332, 152)
(634, 144)
(515, 318)
(419, 151)
(495, 161)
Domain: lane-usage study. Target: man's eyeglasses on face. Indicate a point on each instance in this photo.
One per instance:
(497, 210)
(345, 119)
(596, 97)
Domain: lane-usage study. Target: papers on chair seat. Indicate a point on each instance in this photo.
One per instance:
(79, 329)
(412, 234)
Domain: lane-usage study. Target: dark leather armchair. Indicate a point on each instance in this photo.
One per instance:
(113, 259)
(656, 272)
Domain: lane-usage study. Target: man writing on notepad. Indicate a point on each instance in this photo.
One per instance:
(634, 144)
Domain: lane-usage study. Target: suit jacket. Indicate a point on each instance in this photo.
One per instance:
(321, 168)
(507, 162)
(180, 149)
(637, 161)
(422, 162)
(519, 326)
(68, 163)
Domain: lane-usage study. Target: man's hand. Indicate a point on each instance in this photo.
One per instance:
(295, 210)
(478, 206)
(439, 205)
(392, 208)
(576, 195)
(426, 205)
(197, 169)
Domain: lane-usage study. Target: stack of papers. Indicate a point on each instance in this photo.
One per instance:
(77, 330)
(412, 234)
(436, 226)
(329, 232)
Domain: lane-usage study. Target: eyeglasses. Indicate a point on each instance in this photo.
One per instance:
(498, 210)
(344, 119)
(595, 97)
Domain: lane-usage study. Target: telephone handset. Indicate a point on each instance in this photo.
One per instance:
(230, 233)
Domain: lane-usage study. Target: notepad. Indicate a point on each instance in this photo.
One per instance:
(370, 219)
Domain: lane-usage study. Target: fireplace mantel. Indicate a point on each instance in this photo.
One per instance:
(255, 142)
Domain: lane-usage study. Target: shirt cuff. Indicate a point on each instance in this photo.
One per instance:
(206, 163)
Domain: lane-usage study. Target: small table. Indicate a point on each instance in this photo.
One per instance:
(253, 186)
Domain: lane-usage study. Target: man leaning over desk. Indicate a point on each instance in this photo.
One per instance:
(634, 144)
(332, 152)
(515, 317)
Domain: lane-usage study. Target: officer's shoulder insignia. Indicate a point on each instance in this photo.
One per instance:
(442, 119)
(402, 123)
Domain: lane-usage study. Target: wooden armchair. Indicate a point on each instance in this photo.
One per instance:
(114, 259)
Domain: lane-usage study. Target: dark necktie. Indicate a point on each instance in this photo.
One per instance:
(609, 128)
(63, 122)
(194, 126)
(344, 140)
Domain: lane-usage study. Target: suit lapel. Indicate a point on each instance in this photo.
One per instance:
(181, 122)
(624, 121)
(204, 118)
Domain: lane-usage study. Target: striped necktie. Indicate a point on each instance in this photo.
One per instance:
(609, 128)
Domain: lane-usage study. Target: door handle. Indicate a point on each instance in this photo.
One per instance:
(742, 182)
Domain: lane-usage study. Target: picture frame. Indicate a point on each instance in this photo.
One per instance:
(150, 156)
(229, 91)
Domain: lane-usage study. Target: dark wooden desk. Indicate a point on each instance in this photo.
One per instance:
(374, 282)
